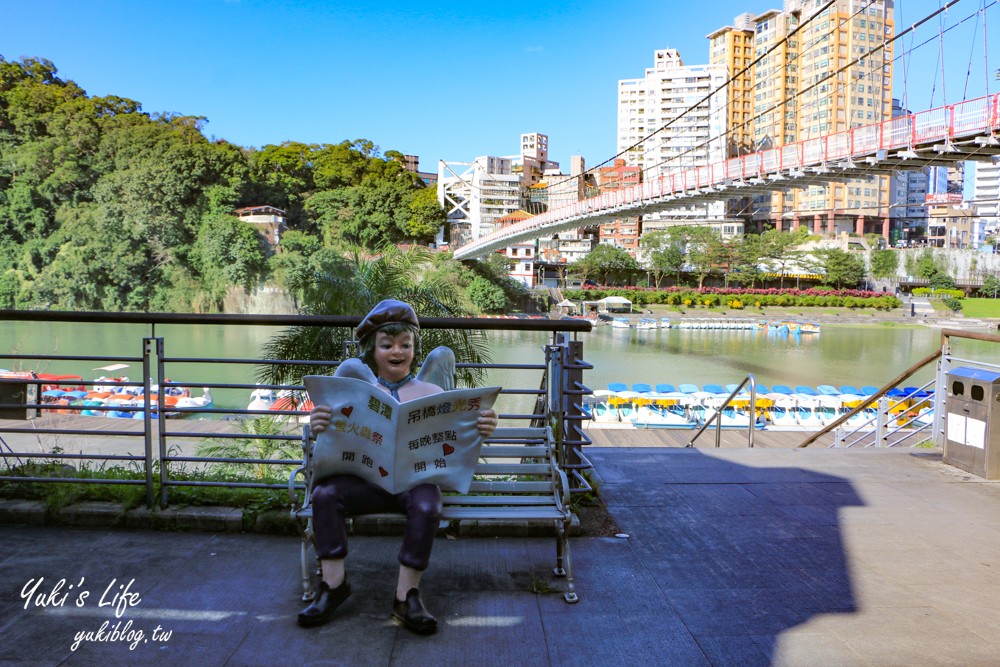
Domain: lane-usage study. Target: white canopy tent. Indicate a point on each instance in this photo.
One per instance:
(614, 304)
(567, 306)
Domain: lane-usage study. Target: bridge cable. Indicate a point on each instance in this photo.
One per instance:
(818, 178)
(850, 64)
(906, 52)
(904, 104)
(968, 69)
(694, 106)
(986, 60)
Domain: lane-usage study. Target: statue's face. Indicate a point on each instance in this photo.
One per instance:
(393, 355)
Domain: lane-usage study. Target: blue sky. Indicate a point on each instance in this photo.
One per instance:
(442, 80)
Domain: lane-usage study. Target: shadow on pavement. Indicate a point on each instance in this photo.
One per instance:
(741, 553)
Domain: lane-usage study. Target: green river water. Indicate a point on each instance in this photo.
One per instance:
(855, 355)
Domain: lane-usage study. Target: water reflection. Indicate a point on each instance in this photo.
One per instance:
(840, 355)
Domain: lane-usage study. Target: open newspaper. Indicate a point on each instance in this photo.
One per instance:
(432, 439)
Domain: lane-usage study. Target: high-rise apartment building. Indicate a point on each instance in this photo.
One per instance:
(908, 190)
(986, 198)
(733, 48)
(671, 120)
(820, 71)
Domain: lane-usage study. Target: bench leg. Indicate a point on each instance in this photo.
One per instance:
(564, 563)
(307, 563)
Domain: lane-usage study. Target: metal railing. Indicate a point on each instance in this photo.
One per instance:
(717, 415)
(24, 409)
(898, 419)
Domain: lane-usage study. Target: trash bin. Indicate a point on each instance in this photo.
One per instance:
(972, 421)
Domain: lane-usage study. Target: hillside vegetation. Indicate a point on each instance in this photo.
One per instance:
(104, 206)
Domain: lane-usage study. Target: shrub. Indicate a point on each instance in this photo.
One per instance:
(952, 303)
(942, 293)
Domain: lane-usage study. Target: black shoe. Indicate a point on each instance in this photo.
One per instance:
(322, 608)
(413, 615)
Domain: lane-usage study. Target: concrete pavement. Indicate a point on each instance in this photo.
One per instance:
(733, 557)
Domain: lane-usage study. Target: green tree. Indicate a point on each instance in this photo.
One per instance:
(925, 266)
(352, 286)
(991, 286)
(495, 268)
(746, 253)
(942, 281)
(663, 255)
(704, 248)
(487, 296)
(781, 250)
(884, 263)
(10, 289)
(228, 252)
(371, 214)
(609, 262)
(282, 176)
(842, 268)
(426, 217)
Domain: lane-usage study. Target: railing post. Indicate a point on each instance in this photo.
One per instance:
(161, 429)
(147, 351)
(940, 390)
(572, 415)
(718, 427)
(554, 391)
(881, 419)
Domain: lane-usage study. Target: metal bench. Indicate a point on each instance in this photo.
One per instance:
(517, 479)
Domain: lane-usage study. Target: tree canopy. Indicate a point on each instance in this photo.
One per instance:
(105, 206)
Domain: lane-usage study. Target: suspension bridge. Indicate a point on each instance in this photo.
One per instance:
(941, 136)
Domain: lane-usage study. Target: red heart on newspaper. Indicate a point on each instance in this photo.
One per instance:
(382, 471)
(448, 449)
(347, 411)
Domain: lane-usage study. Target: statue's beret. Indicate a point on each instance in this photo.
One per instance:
(386, 312)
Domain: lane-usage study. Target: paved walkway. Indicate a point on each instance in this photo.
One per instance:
(922, 307)
(734, 557)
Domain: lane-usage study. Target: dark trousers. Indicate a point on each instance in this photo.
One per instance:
(336, 497)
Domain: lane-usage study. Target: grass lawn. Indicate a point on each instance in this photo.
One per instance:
(981, 307)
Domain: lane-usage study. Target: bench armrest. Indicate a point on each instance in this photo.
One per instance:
(305, 470)
(293, 496)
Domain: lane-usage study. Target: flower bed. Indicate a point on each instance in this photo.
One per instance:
(739, 298)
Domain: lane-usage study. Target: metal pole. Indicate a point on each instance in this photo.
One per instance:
(940, 390)
(880, 420)
(161, 427)
(147, 434)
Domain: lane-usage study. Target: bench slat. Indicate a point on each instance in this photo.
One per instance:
(510, 487)
(525, 513)
(526, 433)
(514, 469)
(514, 451)
(498, 500)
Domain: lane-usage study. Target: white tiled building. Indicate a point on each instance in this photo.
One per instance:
(986, 197)
(669, 122)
